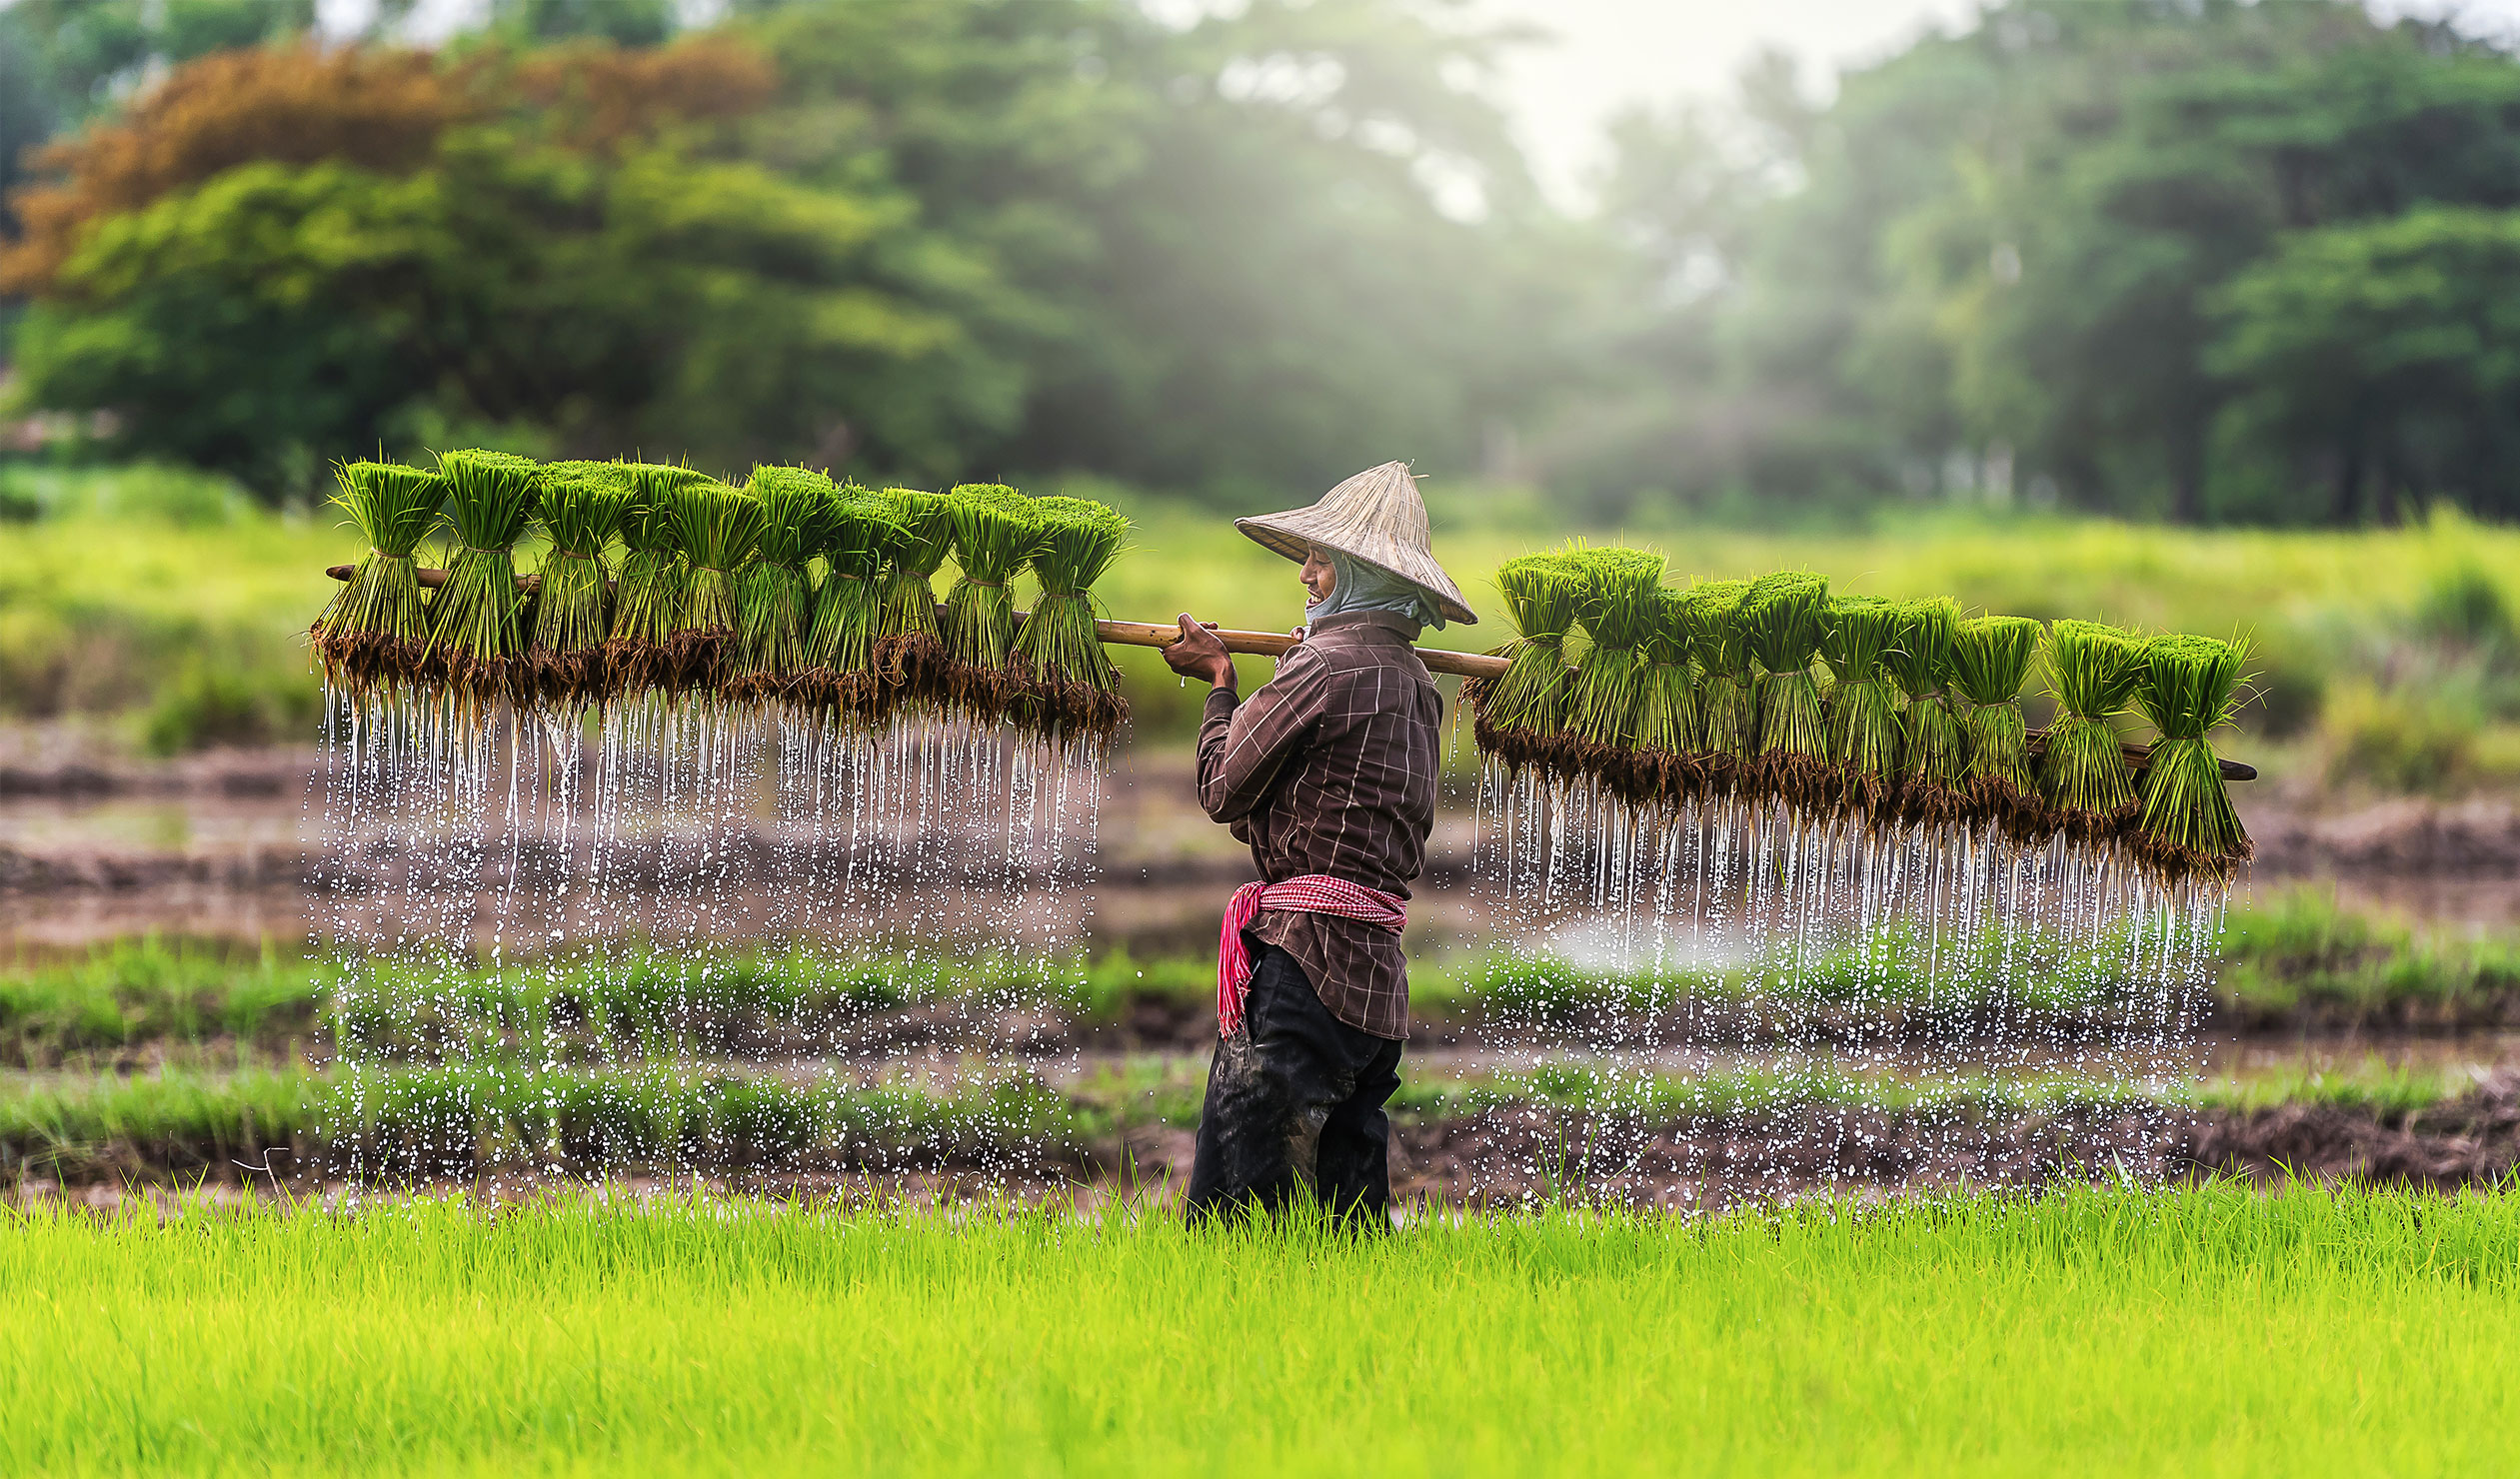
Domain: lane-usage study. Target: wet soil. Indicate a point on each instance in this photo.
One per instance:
(1530, 1154)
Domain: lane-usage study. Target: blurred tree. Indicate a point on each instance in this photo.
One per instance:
(2391, 352)
(1260, 253)
(612, 274)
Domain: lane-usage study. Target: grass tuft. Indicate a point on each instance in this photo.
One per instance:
(1076, 685)
(1991, 659)
(2093, 671)
(1782, 619)
(1863, 717)
(476, 624)
(2189, 689)
(773, 594)
(1617, 612)
(994, 533)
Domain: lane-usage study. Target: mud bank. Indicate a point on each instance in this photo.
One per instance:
(1515, 1154)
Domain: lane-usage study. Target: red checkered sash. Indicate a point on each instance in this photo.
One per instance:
(1311, 894)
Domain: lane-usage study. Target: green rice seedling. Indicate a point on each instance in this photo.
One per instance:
(648, 601)
(1530, 699)
(1781, 615)
(1075, 688)
(773, 594)
(583, 505)
(1620, 592)
(848, 610)
(1665, 720)
(2188, 689)
(909, 645)
(1933, 746)
(1862, 714)
(1728, 701)
(718, 528)
(2093, 671)
(377, 628)
(1991, 659)
(476, 632)
(994, 533)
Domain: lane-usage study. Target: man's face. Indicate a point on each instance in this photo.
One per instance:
(1319, 577)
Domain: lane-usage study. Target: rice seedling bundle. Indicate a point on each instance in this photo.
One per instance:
(718, 528)
(1991, 659)
(1616, 612)
(377, 628)
(1530, 699)
(848, 609)
(772, 593)
(994, 531)
(1781, 619)
(1075, 688)
(648, 601)
(476, 629)
(2187, 691)
(1728, 699)
(910, 647)
(1933, 746)
(1862, 716)
(1666, 720)
(582, 507)
(2093, 671)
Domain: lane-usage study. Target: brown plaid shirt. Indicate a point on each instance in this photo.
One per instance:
(1330, 769)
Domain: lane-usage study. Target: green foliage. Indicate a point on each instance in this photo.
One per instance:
(1077, 541)
(582, 510)
(1617, 610)
(1991, 661)
(2188, 690)
(1728, 705)
(772, 597)
(208, 703)
(848, 609)
(655, 576)
(1933, 748)
(1666, 688)
(925, 522)
(994, 531)
(1863, 723)
(2093, 671)
(718, 529)
(491, 498)
(1780, 619)
(1543, 593)
(394, 507)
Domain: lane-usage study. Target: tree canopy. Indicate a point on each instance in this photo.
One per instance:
(2206, 261)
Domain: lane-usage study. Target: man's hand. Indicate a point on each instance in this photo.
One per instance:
(1200, 652)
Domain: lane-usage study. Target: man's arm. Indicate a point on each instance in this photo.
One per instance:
(1243, 744)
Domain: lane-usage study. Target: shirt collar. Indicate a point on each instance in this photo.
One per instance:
(1400, 628)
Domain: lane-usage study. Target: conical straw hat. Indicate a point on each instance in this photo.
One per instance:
(1375, 517)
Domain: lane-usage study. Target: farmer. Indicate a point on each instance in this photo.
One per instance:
(1329, 772)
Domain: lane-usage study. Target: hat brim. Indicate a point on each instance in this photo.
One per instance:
(1288, 535)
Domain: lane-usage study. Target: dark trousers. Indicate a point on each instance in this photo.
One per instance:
(1295, 1106)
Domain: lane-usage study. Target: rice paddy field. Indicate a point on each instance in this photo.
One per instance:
(2213, 1330)
(743, 1208)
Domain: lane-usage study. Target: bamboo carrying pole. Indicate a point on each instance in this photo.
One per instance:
(1277, 644)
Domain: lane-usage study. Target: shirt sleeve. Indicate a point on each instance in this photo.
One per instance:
(1243, 744)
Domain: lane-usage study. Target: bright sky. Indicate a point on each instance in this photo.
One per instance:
(1613, 51)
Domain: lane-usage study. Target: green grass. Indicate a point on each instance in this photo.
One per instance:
(2301, 955)
(2296, 959)
(2095, 1332)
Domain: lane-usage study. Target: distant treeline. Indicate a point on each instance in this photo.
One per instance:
(2199, 260)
